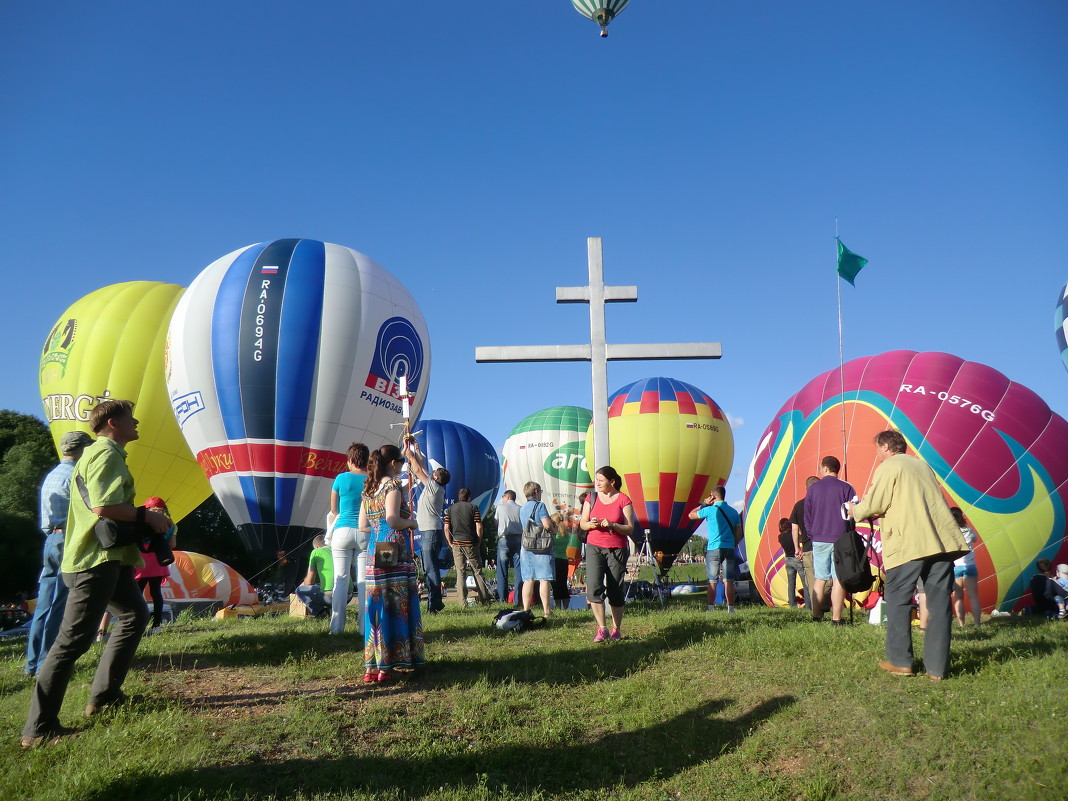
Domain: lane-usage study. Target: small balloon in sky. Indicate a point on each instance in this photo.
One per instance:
(998, 451)
(110, 344)
(281, 355)
(600, 11)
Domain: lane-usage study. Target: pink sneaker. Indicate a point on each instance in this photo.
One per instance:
(615, 635)
(602, 635)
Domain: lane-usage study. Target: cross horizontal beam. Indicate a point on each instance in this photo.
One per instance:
(581, 294)
(584, 353)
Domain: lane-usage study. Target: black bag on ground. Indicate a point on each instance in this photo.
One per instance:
(535, 538)
(852, 564)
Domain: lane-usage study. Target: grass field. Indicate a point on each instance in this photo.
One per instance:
(763, 704)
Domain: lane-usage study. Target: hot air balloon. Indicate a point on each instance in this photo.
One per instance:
(468, 456)
(281, 355)
(999, 452)
(1060, 318)
(111, 344)
(672, 444)
(600, 11)
(549, 447)
(195, 577)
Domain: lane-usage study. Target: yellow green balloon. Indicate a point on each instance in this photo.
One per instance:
(671, 444)
(110, 344)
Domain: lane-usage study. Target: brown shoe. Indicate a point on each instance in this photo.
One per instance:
(51, 738)
(895, 670)
(933, 677)
(92, 709)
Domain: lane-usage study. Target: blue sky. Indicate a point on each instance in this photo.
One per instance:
(470, 147)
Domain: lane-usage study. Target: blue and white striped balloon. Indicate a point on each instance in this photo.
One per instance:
(280, 355)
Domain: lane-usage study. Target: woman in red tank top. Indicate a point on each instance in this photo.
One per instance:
(608, 520)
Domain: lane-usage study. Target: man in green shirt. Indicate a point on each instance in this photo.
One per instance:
(97, 579)
(320, 578)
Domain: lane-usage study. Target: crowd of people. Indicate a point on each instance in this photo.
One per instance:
(371, 529)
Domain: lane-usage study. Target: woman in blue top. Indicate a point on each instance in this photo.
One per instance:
(347, 544)
(537, 568)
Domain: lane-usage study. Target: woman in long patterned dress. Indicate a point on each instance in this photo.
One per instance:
(393, 628)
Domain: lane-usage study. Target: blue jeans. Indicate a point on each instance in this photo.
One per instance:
(312, 596)
(433, 542)
(51, 600)
(795, 568)
(508, 555)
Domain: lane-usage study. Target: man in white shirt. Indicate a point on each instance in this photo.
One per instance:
(509, 541)
(430, 518)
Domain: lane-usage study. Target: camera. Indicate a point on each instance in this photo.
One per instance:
(157, 544)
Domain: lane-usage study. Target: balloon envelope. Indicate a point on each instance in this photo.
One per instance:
(195, 577)
(600, 11)
(281, 355)
(468, 456)
(549, 447)
(672, 444)
(999, 452)
(111, 344)
(1060, 320)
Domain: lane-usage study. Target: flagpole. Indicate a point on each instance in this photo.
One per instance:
(841, 364)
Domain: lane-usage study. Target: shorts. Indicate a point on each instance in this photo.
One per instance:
(823, 561)
(536, 566)
(606, 568)
(721, 562)
(968, 571)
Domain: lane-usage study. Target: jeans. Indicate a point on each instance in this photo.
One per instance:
(508, 556)
(109, 586)
(433, 542)
(345, 550)
(51, 600)
(794, 568)
(313, 597)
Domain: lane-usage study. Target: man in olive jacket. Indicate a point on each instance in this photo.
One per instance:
(920, 541)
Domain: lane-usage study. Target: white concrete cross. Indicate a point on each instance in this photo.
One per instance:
(598, 352)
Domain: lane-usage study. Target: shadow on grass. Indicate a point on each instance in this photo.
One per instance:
(974, 659)
(574, 664)
(580, 663)
(618, 758)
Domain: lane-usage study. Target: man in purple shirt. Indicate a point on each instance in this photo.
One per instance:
(825, 524)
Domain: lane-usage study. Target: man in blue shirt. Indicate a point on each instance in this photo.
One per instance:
(52, 592)
(720, 558)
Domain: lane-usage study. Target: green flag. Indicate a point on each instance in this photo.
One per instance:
(849, 263)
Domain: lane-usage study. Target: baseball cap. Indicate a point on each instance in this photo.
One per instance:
(72, 440)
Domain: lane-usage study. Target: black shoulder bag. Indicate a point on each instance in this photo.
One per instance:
(116, 533)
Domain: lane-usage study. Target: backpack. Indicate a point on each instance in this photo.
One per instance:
(516, 620)
(852, 564)
(535, 538)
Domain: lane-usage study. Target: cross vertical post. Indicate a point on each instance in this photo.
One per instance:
(598, 352)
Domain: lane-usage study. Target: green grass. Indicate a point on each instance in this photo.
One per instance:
(759, 705)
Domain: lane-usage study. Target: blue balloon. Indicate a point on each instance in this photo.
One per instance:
(469, 457)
